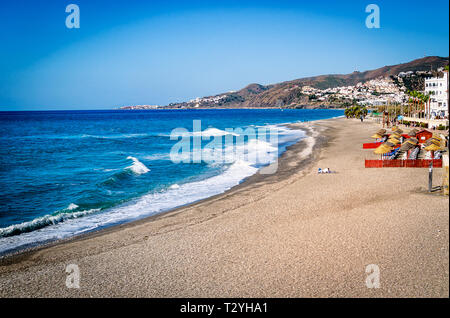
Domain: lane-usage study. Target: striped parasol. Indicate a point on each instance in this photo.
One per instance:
(433, 147)
(383, 149)
(406, 146)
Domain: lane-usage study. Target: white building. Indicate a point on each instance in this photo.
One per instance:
(438, 88)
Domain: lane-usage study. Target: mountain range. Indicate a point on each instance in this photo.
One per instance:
(289, 93)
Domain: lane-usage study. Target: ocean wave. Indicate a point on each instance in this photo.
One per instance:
(254, 151)
(212, 132)
(157, 156)
(46, 220)
(72, 207)
(112, 136)
(209, 132)
(117, 136)
(137, 167)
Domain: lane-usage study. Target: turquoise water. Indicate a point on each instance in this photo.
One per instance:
(69, 172)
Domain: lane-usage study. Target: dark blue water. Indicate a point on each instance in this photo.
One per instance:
(68, 172)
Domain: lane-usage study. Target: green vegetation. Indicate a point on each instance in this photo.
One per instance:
(355, 111)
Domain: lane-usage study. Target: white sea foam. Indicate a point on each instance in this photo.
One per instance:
(137, 167)
(209, 132)
(212, 132)
(72, 206)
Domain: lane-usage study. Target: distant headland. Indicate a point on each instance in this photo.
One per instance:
(388, 84)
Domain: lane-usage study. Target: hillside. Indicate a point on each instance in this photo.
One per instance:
(289, 94)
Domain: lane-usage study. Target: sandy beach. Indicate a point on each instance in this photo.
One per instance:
(292, 234)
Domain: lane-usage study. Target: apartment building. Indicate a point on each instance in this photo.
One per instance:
(438, 88)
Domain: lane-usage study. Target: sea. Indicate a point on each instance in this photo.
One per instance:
(65, 173)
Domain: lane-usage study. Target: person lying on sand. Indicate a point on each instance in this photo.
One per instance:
(326, 170)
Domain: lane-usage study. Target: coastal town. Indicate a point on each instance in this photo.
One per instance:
(382, 91)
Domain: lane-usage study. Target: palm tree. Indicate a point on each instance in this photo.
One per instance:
(415, 101)
(410, 100)
(418, 96)
(421, 99)
(426, 99)
(347, 112)
(355, 111)
(419, 103)
(414, 96)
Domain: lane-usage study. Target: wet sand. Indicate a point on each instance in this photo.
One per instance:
(291, 234)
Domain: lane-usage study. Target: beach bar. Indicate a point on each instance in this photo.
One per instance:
(398, 150)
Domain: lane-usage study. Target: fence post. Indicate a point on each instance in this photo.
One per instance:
(430, 177)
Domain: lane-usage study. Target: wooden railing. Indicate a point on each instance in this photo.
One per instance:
(395, 163)
(372, 145)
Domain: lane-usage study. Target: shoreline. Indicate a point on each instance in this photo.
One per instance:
(246, 182)
(291, 234)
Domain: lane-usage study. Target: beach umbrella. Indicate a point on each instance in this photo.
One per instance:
(432, 147)
(394, 141)
(413, 141)
(383, 149)
(432, 142)
(412, 132)
(399, 131)
(394, 137)
(377, 136)
(406, 146)
(436, 138)
(381, 131)
(394, 128)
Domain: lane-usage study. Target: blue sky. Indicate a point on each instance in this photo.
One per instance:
(157, 52)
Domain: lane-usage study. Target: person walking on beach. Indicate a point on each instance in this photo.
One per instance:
(362, 118)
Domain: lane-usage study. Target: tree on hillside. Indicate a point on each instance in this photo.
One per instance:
(355, 111)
